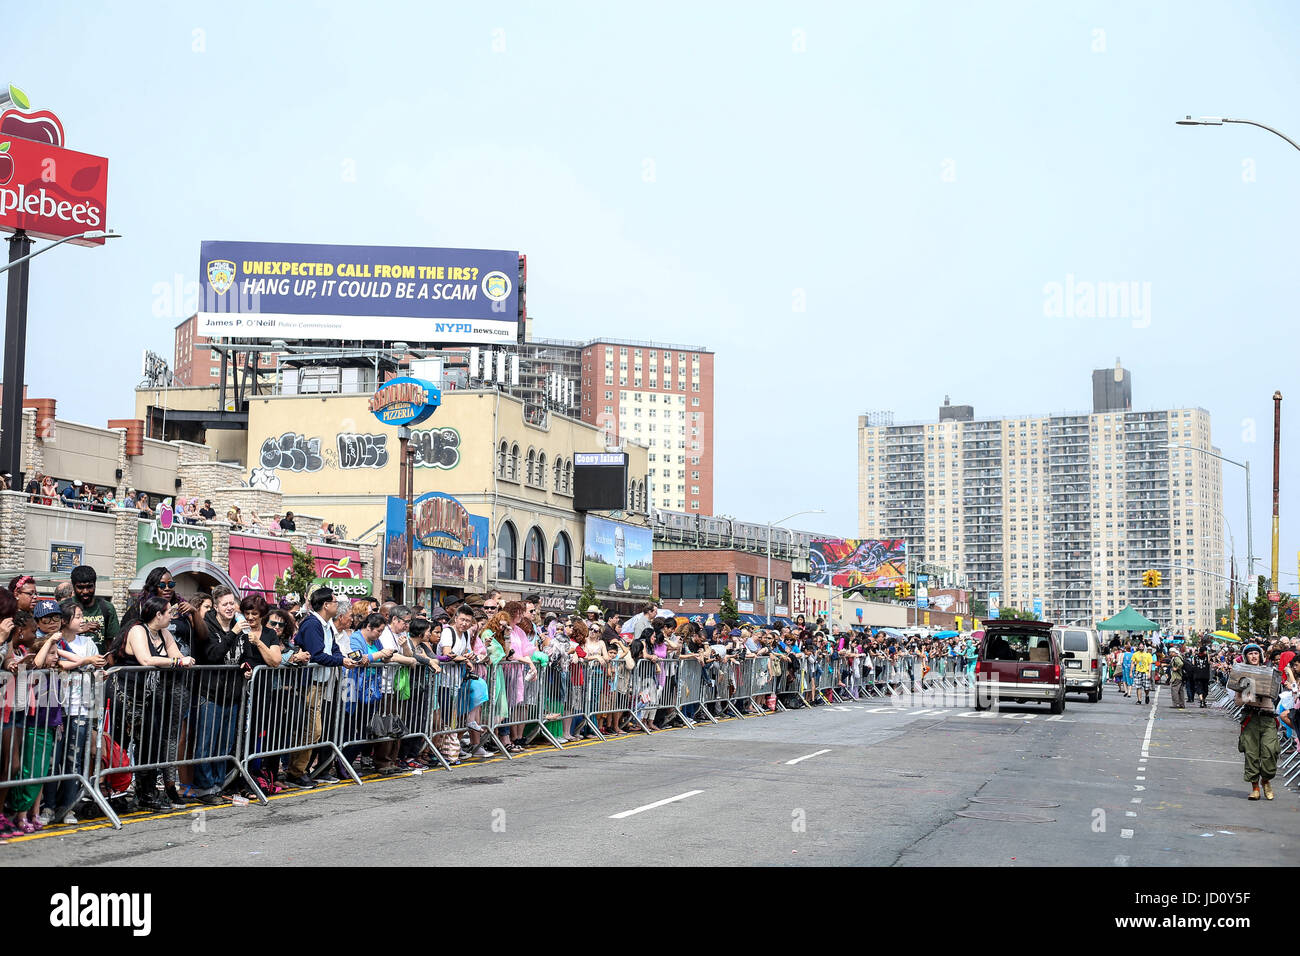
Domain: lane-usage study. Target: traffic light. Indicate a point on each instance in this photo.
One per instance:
(1147, 578)
(898, 592)
(908, 589)
(1155, 579)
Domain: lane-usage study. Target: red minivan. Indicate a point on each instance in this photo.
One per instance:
(1019, 661)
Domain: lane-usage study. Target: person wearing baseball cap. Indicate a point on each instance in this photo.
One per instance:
(48, 615)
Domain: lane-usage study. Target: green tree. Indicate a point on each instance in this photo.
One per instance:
(978, 608)
(1015, 614)
(587, 598)
(297, 579)
(1253, 619)
(727, 611)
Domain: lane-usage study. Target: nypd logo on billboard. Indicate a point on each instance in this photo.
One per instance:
(221, 275)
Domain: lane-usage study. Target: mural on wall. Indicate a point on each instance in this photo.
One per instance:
(362, 451)
(435, 448)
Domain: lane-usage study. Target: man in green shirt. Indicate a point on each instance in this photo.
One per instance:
(101, 617)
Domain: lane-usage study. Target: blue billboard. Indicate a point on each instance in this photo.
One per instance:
(291, 291)
(617, 558)
(456, 540)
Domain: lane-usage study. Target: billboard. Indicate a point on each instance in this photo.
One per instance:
(846, 562)
(46, 189)
(455, 540)
(599, 481)
(282, 290)
(617, 558)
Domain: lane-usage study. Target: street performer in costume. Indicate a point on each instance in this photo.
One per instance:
(1258, 740)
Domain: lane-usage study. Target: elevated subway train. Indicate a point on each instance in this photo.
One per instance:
(717, 531)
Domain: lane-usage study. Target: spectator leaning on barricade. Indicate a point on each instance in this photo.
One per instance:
(365, 683)
(316, 636)
(148, 642)
(38, 700)
(77, 653)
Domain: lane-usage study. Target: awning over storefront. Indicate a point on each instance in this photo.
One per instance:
(185, 564)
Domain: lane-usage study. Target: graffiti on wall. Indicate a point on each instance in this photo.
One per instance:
(435, 448)
(292, 452)
(362, 451)
(264, 479)
(430, 448)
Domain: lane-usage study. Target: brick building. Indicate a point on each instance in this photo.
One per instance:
(691, 582)
(662, 396)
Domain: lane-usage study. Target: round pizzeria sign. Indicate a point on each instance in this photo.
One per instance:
(405, 401)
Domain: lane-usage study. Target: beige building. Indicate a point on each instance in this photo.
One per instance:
(326, 454)
(1068, 510)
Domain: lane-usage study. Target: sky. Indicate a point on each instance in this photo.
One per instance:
(856, 206)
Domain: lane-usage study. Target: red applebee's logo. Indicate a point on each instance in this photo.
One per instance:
(20, 120)
(46, 189)
(338, 570)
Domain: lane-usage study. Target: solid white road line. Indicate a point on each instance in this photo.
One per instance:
(791, 763)
(657, 803)
(1197, 759)
(1151, 721)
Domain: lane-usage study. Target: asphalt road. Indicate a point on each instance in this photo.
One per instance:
(878, 785)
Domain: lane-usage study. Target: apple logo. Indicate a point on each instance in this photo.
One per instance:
(165, 515)
(6, 165)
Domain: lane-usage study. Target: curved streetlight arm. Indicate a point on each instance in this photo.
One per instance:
(1262, 126)
(1220, 120)
(90, 234)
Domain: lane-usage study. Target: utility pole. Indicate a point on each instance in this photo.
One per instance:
(1277, 459)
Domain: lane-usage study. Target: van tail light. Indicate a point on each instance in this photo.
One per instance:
(983, 667)
(1056, 673)
(1094, 663)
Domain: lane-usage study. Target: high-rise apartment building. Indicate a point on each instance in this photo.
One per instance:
(661, 395)
(1068, 510)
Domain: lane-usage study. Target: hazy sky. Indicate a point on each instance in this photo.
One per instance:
(856, 206)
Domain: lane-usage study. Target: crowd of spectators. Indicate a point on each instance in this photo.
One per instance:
(190, 721)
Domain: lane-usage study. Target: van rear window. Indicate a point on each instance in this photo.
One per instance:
(1003, 646)
(1076, 640)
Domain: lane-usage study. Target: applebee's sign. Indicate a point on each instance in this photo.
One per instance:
(175, 538)
(47, 190)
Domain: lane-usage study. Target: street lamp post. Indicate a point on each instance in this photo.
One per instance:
(1250, 548)
(1277, 396)
(767, 599)
(15, 354)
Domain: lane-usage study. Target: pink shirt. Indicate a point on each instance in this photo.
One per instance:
(523, 645)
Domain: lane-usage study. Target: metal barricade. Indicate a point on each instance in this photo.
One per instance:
(827, 678)
(756, 686)
(517, 701)
(379, 706)
(692, 693)
(138, 719)
(50, 742)
(609, 692)
(291, 708)
(458, 706)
